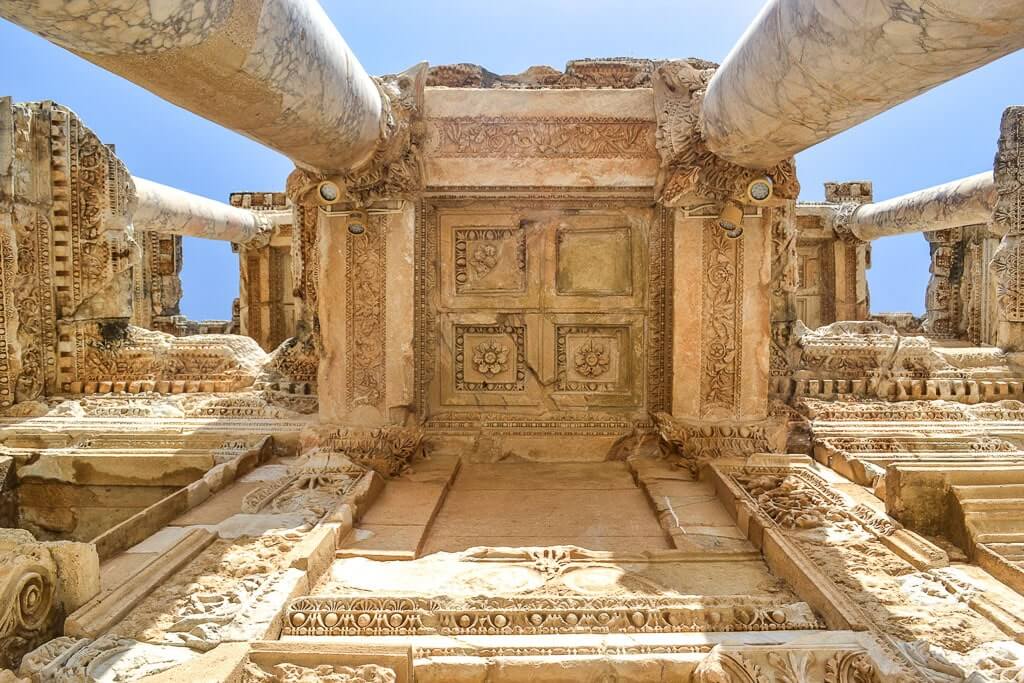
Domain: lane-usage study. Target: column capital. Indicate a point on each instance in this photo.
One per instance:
(688, 167)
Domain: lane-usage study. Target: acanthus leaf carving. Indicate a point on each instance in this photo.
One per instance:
(396, 168)
(689, 169)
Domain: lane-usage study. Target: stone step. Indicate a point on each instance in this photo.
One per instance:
(979, 492)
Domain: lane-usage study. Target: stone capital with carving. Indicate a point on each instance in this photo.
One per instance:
(698, 442)
(688, 167)
(395, 170)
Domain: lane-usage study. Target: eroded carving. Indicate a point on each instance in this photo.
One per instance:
(689, 169)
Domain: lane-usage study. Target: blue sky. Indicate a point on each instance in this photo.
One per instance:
(947, 133)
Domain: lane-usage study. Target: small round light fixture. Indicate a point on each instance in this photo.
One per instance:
(357, 222)
(760, 190)
(328, 192)
(731, 219)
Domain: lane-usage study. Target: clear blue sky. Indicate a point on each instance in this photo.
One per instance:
(948, 133)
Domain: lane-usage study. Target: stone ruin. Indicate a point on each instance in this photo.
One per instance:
(544, 376)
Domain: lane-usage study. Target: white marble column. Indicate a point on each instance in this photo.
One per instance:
(809, 69)
(276, 71)
(968, 201)
(170, 211)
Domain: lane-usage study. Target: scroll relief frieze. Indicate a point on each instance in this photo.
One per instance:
(721, 323)
(366, 322)
(563, 137)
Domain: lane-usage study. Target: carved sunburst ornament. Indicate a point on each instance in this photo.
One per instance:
(592, 359)
(490, 358)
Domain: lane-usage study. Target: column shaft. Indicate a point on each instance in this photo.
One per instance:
(809, 69)
(170, 211)
(276, 71)
(968, 201)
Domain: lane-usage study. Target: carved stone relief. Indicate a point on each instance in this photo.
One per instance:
(689, 169)
(516, 303)
(877, 574)
(1008, 262)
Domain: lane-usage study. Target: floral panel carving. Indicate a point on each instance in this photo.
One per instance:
(593, 358)
(490, 260)
(490, 358)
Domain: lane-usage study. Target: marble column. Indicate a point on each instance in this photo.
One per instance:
(809, 69)
(169, 211)
(276, 71)
(967, 201)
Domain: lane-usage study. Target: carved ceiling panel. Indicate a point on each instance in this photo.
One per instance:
(545, 308)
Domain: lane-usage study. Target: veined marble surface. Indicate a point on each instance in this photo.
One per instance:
(276, 71)
(809, 69)
(967, 201)
(170, 211)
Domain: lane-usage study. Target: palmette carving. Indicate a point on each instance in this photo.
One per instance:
(388, 450)
(735, 664)
(697, 443)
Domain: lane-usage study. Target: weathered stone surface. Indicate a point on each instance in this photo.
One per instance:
(527, 376)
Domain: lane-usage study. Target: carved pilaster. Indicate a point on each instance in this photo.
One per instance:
(66, 243)
(785, 283)
(722, 304)
(851, 255)
(156, 282)
(268, 310)
(1008, 262)
(943, 304)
